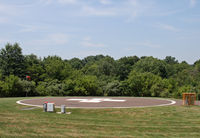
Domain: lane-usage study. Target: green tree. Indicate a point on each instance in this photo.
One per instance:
(125, 65)
(141, 83)
(92, 69)
(180, 67)
(86, 85)
(153, 65)
(11, 87)
(28, 87)
(76, 63)
(12, 61)
(104, 67)
(107, 66)
(56, 68)
(34, 68)
(170, 60)
(113, 89)
(92, 59)
(2, 93)
(51, 88)
(183, 89)
(184, 77)
(169, 87)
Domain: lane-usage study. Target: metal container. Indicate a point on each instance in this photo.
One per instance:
(63, 110)
(50, 107)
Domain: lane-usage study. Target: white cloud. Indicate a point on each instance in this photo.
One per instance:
(134, 9)
(3, 20)
(67, 1)
(193, 3)
(28, 28)
(105, 2)
(128, 8)
(149, 8)
(87, 42)
(46, 2)
(4, 8)
(168, 13)
(52, 39)
(133, 2)
(58, 38)
(87, 38)
(8, 9)
(168, 27)
(32, 28)
(90, 44)
(148, 44)
(3, 41)
(91, 11)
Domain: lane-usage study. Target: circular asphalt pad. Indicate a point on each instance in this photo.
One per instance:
(99, 102)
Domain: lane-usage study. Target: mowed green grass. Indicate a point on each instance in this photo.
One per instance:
(168, 121)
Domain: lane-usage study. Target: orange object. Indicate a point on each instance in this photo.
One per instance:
(189, 98)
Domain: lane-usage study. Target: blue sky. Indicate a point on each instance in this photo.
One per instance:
(79, 28)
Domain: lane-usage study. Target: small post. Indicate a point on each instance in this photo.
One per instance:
(63, 110)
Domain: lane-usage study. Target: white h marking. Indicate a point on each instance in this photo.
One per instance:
(95, 100)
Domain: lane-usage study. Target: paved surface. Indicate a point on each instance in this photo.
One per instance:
(101, 102)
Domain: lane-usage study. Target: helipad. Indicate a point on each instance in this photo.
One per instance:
(99, 102)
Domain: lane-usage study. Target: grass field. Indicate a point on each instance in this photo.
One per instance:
(169, 121)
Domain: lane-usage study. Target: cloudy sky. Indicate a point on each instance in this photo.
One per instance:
(79, 28)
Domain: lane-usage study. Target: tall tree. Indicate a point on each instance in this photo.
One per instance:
(107, 66)
(34, 68)
(92, 59)
(170, 60)
(76, 63)
(124, 66)
(12, 61)
(153, 65)
(56, 68)
(141, 83)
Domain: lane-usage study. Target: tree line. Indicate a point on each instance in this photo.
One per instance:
(94, 75)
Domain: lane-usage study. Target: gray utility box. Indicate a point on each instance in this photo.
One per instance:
(63, 110)
(45, 107)
(50, 107)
